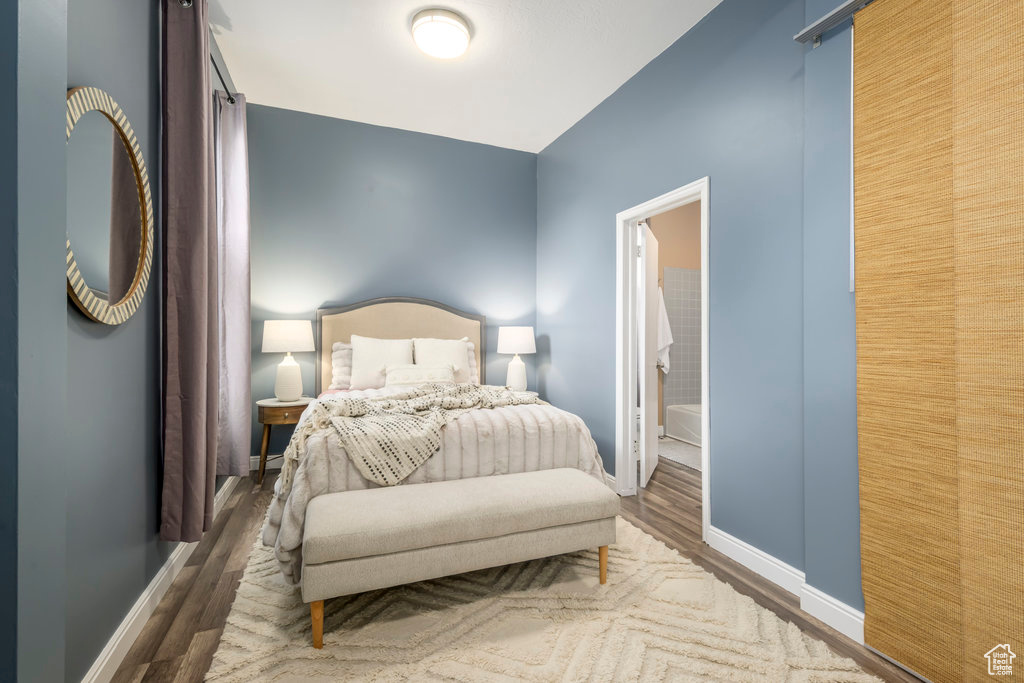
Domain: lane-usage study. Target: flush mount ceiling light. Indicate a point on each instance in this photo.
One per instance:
(440, 33)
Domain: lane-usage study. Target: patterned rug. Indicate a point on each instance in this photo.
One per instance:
(660, 617)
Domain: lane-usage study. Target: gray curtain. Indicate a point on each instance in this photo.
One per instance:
(190, 264)
(232, 164)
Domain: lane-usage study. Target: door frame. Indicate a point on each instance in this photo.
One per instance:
(626, 349)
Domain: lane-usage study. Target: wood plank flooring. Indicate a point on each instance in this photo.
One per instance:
(178, 641)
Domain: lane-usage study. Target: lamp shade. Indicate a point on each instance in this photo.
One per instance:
(281, 336)
(516, 340)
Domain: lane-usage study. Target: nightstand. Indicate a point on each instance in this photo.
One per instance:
(274, 412)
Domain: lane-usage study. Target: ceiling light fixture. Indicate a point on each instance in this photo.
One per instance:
(440, 33)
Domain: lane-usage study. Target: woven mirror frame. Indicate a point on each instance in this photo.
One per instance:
(79, 102)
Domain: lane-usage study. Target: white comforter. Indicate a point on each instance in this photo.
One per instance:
(477, 444)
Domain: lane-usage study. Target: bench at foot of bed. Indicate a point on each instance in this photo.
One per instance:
(357, 541)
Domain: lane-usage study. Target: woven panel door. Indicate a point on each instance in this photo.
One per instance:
(988, 189)
(939, 199)
(906, 401)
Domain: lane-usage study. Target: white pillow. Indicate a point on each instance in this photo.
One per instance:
(341, 366)
(404, 375)
(474, 373)
(371, 357)
(451, 352)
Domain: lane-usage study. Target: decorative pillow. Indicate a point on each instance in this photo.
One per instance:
(341, 366)
(371, 357)
(451, 352)
(406, 375)
(474, 371)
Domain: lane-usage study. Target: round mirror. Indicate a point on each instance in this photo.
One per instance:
(110, 209)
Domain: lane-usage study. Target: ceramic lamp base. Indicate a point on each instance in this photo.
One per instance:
(288, 386)
(516, 377)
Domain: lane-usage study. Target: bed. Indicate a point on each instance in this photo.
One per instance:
(479, 443)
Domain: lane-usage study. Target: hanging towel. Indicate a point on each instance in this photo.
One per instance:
(664, 333)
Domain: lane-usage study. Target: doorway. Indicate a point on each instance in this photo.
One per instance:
(641, 354)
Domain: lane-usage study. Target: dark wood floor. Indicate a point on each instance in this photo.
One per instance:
(178, 641)
(670, 510)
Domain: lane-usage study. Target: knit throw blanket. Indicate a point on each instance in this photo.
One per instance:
(388, 437)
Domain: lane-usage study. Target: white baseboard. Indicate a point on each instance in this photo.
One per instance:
(838, 615)
(610, 481)
(758, 561)
(275, 464)
(225, 491)
(105, 666)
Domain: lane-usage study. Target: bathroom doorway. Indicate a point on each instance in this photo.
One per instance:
(662, 346)
(676, 331)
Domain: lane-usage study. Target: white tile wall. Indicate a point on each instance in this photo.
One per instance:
(682, 299)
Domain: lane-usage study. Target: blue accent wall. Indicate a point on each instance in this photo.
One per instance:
(831, 494)
(9, 335)
(724, 101)
(345, 211)
(87, 395)
(42, 341)
(113, 373)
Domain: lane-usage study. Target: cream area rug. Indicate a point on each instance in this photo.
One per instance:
(659, 618)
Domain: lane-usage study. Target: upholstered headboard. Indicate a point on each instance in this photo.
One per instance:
(394, 317)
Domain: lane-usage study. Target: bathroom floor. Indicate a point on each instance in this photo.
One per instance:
(681, 452)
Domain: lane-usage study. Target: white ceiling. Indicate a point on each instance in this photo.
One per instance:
(533, 68)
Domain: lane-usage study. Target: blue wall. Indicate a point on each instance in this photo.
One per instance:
(831, 495)
(9, 334)
(42, 340)
(769, 122)
(87, 395)
(725, 101)
(113, 373)
(345, 211)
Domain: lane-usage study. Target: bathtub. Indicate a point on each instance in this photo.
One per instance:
(683, 422)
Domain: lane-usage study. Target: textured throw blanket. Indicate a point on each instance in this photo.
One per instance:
(388, 437)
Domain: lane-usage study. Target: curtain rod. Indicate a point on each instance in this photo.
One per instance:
(830, 21)
(231, 98)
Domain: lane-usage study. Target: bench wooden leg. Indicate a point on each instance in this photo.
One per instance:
(316, 611)
(602, 556)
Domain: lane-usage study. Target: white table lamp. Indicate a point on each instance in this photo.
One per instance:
(516, 340)
(286, 336)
